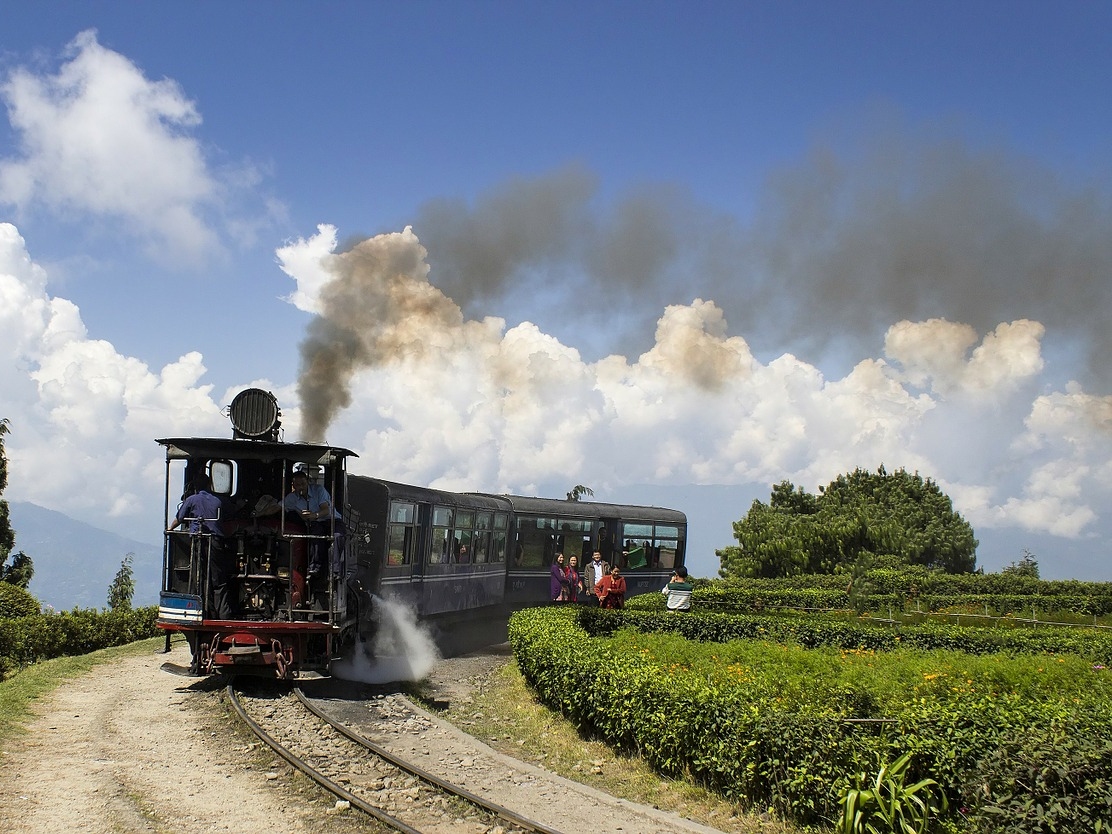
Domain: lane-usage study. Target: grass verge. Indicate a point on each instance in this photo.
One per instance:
(19, 692)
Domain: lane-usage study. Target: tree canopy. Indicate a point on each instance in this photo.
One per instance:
(893, 518)
(7, 536)
(20, 571)
(578, 491)
(122, 588)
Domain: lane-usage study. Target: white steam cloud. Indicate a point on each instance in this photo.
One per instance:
(402, 650)
(100, 139)
(465, 404)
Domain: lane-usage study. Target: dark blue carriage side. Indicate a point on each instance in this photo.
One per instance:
(646, 542)
(441, 553)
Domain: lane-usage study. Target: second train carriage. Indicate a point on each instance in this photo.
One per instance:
(461, 561)
(456, 557)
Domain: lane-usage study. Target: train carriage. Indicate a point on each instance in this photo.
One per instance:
(646, 542)
(436, 551)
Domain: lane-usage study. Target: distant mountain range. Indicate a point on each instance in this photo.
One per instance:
(75, 562)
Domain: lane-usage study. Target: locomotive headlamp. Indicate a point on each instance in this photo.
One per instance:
(254, 414)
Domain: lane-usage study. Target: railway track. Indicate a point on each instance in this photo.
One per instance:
(395, 791)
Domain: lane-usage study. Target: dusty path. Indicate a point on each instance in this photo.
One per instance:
(130, 748)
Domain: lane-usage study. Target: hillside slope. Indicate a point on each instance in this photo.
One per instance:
(75, 562)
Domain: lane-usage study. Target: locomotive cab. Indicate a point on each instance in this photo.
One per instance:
(236, 579)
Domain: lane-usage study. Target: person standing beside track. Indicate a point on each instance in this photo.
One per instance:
(575, 582)
(611, 589)
(593, 573)
(203, 510)
(558, 581)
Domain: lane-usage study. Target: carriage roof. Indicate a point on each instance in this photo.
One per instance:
(182, 448)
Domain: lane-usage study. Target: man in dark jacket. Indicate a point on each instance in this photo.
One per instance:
(593, 573)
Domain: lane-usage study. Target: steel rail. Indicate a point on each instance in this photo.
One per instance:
(424, 775)
(313, 773)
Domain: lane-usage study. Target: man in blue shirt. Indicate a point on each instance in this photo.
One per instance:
(203, 511)
(200, 508)
(313, 503)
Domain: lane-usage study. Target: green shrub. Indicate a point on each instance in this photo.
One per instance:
(16, 601)
(813, 631)
(909, 589)
(784, 726)
(29, 639)
(1056, 778)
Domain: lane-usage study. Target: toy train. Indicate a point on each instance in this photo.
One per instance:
(461, 561)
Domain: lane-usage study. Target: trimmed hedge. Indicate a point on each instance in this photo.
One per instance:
(797, 755)
(30, 639)
(909, 589)
(811, 631)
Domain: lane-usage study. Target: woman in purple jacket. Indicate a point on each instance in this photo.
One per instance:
(558, 585)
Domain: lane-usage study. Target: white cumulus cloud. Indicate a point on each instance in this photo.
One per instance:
(99, 139)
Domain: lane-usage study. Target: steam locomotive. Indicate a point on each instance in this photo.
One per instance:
(461, 561)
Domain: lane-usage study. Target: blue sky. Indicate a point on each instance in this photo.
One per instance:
(677, 252)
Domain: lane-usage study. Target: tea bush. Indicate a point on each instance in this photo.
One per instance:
(29, 639)
(786, 726)
(808, 630)
(906, 589)
(1056, 778)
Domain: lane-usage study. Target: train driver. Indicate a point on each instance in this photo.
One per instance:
(203, 510)
(313, 503)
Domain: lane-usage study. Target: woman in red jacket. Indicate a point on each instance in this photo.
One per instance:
(611, 589)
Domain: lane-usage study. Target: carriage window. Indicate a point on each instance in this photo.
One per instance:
(481, 541)
(481, 544)
(540, 538)
(464, 545)
(500, 524)
(576, 535)
(400, 545)
(403, 512)
(439, 552)
(537, 541)
(402, 533)
(667, 545)
(653, 547)
(443, 543)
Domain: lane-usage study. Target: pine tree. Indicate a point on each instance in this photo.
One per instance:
(122, 588)
(7, 537)
(20, 571)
